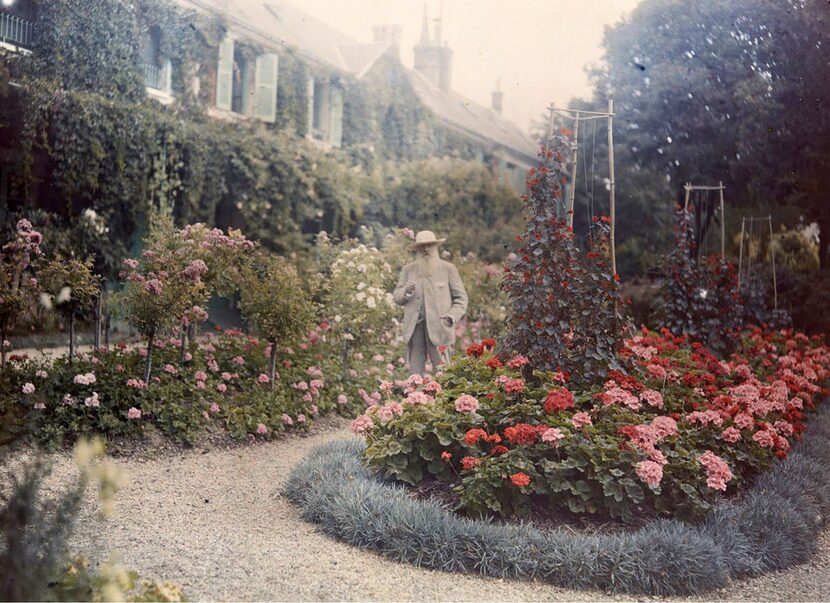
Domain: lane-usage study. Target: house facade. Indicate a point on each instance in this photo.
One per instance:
(267, 67)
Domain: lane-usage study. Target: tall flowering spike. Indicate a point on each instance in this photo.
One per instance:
(566, 305)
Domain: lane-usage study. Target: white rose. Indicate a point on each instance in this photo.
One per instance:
(360, 296)
(64, 295)
(370, 302)
(360, 286)
(338, 318)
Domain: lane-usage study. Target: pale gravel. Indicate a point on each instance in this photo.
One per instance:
(214, 521)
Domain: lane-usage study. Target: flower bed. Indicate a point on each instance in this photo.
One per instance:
(222, 383)
(672, 437)
(774, 526)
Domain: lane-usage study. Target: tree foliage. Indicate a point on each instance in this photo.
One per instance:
(705, 92)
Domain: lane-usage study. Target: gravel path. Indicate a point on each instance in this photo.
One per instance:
(215, 522)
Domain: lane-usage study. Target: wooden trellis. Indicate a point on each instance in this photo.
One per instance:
(578, 116)
(745, 270)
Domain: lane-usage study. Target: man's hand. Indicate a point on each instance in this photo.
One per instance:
(410, 288)
(449, 321)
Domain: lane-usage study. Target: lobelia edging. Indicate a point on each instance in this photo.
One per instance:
(773, 526)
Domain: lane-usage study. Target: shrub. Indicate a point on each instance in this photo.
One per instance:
(667, 439)
(35, 529)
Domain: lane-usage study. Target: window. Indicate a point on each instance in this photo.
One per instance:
(320, 108)
(266, 75)
(224, 75)
(325, 106)
(157, 69)
(16, 21)
(241, 83)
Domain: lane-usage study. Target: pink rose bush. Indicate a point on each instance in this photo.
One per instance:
(670, 435)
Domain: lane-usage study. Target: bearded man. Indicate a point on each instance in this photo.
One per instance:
(434, 300)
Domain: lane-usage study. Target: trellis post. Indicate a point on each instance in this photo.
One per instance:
(741, 253)
(772, 251)
(569, 209)
(723, 223)
(613, 182)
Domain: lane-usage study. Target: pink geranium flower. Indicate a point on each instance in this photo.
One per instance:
(133, 413)
(581, 419)
(362, 425)
(650, 472)
(552, 436)
(466, 403)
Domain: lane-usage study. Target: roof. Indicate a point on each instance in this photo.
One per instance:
(460, 113)
(281, 22)
(285, 24)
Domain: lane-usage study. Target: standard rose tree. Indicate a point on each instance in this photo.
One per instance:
(18, 288)
(161, 288)
(274, 302)
(71, 288)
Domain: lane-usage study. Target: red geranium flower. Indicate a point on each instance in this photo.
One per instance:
(521, 433)
(446, 456)
(520, 479)
(558, 399)
(494, 363)
(499, 450)
(475, 349)
(472, 437)
(469, 462)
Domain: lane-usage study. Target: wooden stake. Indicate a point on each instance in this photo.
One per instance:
(569, 207)
(772, 250)
(688, 188)
(741, 253)
(722, 224)
(613, 183)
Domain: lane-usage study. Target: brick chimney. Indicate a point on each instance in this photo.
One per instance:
(497, 101)
(389, 33)
(433, 58)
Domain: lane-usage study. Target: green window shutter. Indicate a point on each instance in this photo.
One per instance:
(266, 74)
(336, 116)
(310, 96)
(168, 76)
(224, 75)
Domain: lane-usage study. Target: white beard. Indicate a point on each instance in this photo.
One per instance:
(428, 264)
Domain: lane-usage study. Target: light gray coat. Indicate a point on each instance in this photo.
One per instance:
(443, 295)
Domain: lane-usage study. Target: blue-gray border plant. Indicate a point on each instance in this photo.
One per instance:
(775, 525)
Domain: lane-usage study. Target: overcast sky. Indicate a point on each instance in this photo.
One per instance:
(539, 48)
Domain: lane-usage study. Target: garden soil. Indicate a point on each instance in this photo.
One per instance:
(213, 520)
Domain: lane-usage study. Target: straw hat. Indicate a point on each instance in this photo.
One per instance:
(426, 237)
